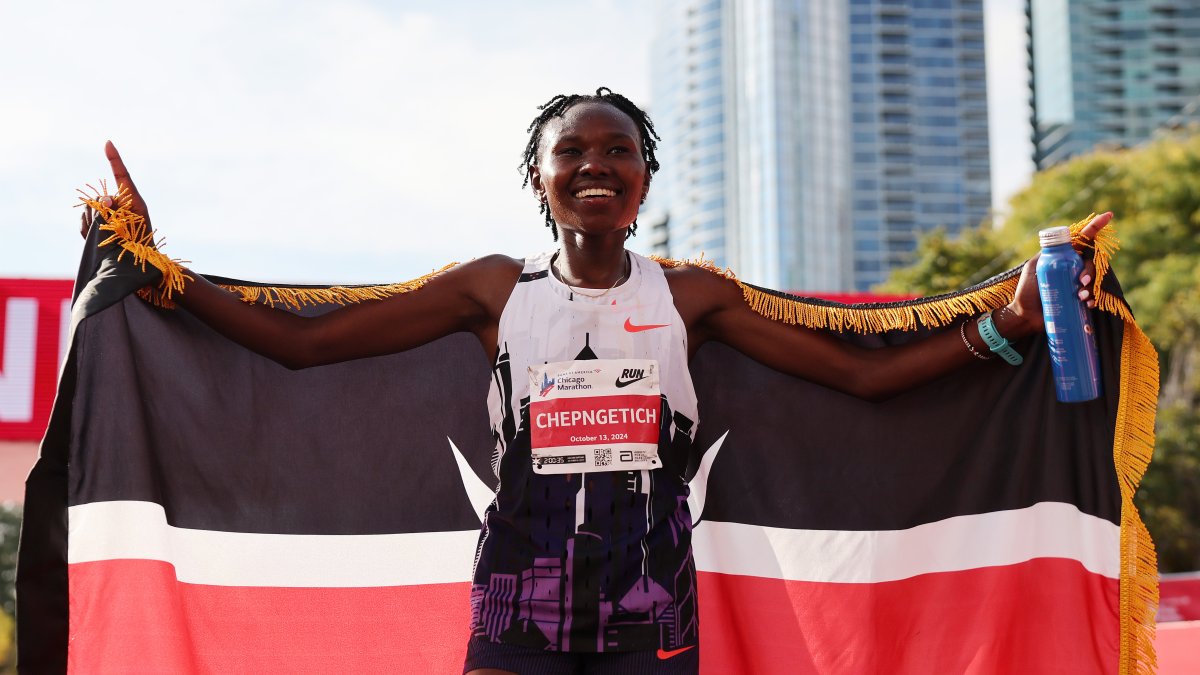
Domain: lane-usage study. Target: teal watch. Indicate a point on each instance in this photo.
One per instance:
(996, 342)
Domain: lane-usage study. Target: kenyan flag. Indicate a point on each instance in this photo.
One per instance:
(198, 508)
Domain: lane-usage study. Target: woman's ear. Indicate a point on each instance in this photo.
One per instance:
(646, 188)
(535, 182)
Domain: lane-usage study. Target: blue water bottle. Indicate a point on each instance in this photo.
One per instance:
(1069, 331)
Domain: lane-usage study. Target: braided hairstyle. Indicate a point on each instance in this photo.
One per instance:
(559, 105)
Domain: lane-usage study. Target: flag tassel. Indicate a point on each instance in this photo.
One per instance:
(1132, 451)
(133, 235)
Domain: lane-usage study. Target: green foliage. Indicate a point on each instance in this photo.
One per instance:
(1170, 493)
(1154, 192)
(10, 529)
(944, 264)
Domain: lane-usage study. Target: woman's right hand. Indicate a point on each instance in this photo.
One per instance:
(127, 192)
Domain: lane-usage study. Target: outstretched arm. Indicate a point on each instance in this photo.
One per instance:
(469, 297)
(714, 309)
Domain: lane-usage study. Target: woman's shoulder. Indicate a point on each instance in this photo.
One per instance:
(488, 269)
(699, 289)
(693, 277)
(497, 263)
(488, 279)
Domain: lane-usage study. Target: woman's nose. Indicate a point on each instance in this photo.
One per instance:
(594, 163)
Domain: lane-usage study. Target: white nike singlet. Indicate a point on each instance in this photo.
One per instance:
(600, 561)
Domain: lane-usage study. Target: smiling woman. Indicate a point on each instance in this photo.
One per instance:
(592, 403)
(630, 132)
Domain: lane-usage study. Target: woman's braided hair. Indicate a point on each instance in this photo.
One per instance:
(559, 105)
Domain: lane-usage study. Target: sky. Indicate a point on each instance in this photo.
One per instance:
(349, 141)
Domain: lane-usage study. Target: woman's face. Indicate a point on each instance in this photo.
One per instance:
(590, 169)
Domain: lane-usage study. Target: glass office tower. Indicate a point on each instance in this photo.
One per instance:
(1110, 73)
(920, 128)
(690, 108)
(807, 143)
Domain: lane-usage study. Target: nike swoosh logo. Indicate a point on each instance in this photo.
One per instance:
(663, 655)
(626, 383)
(633, 328)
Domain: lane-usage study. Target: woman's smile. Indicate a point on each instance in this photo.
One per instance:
(595, 193)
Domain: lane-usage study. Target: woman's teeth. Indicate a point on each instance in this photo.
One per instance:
(595, 192)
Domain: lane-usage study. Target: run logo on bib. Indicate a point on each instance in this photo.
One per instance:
(595, 415)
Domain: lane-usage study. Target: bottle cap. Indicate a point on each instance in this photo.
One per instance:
(1054, 236)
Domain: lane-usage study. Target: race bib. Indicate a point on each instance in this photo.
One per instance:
(596, 415)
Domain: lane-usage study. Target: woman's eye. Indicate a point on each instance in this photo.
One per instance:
(618, 149)
(569, 151)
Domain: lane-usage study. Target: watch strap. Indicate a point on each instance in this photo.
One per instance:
(995, 341)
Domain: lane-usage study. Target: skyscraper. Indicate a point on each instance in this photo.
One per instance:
(808, 143)
(689, 106)
(1106, 72)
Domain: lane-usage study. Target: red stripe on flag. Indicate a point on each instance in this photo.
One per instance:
(1046, 615)
(133, 616)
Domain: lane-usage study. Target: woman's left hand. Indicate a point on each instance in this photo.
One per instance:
(1026, 307)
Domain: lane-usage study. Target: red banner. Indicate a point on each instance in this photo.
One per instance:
(1179, 597)
(35, 315)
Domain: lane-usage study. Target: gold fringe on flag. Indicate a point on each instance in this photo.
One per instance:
(296, 297)
(810, 313)
(1134, 433)
(133, 235)
(1133, 446)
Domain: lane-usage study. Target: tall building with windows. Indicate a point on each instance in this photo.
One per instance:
(808, 143)
(920, 127)
(1105, 72)
(690, 82)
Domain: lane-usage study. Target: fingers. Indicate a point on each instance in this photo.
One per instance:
(120, 173)
(1098, 223)
(127, 192)
(1085, 295)
(1086, 292)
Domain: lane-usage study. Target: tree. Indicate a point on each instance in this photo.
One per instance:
(944, 262)
(1155, 193)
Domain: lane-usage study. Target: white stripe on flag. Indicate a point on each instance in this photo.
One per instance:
(1044, 530)
(139, 530)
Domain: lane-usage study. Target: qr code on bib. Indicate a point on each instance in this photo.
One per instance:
(603, 456)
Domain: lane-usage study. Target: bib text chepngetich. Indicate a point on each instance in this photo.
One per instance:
(596, 415)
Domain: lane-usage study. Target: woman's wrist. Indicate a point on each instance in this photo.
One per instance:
(1013, 324)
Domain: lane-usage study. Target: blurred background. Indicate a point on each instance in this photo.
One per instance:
(819, 146)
